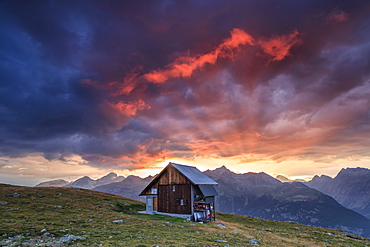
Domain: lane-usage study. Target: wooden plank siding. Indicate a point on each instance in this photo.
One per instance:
(172, 176)
(155, 204)
(174, 198)
(168, 176)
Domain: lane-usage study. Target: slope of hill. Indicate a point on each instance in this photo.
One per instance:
(351, 188)
(259, 195)
(41, 216)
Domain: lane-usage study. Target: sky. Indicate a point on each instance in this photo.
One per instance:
(89, 87)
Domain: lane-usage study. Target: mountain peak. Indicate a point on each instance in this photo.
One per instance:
(110, 175)
(133, 177)
(354, 171)
(53, 183)
(222, 169)
(85, 178)
(283, 178)
(219, 171)
(322, 177)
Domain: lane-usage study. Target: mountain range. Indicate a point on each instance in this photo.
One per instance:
(84, 182)
(351, 188)
(129, 187)
(340, 203)
(53, 183)
(262, 196)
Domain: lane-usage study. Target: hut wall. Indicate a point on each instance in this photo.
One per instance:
(172, 176)
(175, 198)
(168, 176)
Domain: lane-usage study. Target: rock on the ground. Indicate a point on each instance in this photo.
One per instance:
(70, 238)
(222, 226)
(220, 241)
(117, 221)
(253, 242)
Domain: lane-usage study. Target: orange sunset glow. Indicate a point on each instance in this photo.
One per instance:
(94, 87)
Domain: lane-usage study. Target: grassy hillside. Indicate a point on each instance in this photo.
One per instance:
(65, 216)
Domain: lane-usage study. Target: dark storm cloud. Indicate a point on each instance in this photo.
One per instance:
(65, 69)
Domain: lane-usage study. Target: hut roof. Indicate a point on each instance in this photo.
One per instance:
(208, 190)
(195, 176)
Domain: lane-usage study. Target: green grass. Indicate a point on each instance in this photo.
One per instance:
(90, 214)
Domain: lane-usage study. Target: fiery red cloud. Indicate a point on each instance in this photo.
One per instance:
(278, 47)
(184, 66)
(130, 109)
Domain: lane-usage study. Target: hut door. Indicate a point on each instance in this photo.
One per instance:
(163, 198)
(149, 205)
(155, 203)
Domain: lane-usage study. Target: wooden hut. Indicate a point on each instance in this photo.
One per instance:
(181, 191)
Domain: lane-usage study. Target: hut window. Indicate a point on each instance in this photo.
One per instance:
(173, 188)
(182, 202)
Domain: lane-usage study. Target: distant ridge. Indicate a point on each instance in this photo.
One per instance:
(88, 183)
(53, 183)
(285, 179)
(129, 187)
(351, 188)
(85, 182)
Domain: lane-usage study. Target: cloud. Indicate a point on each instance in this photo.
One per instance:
(277, 48)
(184, 66)
(338, 16)
(126, 85)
